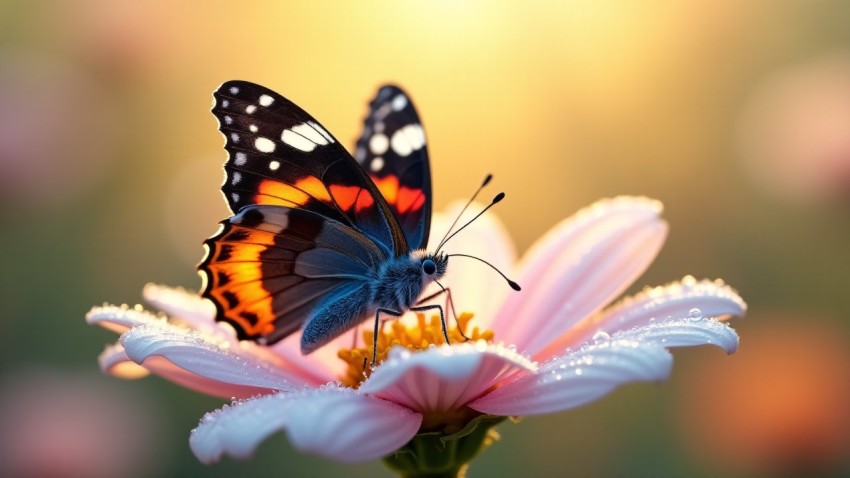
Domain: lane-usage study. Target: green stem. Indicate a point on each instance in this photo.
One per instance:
(441, 455)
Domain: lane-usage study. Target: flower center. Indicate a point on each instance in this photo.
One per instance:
(414, 337)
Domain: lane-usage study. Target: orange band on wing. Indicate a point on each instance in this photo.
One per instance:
(409, 199)
(250, 304)
(314, 187)
(282, 194)
(388, 187)
(347, 197)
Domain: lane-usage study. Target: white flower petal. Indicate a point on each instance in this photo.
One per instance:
(202, 356)
(475, 287)
(443, 378)
(121, 318)
(337, 423)
(672, 301)
(685, 332)
(578, 267)
(578, 378)
(114, 361)
(188, 307)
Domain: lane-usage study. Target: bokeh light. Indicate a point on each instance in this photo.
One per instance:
(795, 131)
(778, 407)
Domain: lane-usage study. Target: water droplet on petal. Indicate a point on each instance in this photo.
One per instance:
(695, 314)
(601, 337)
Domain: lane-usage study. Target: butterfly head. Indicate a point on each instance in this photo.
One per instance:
(432, 265)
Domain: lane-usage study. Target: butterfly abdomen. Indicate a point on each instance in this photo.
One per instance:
(334, 317)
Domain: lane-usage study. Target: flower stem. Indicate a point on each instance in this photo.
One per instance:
(439, 455)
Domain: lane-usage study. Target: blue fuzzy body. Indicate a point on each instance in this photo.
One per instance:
(395, 286)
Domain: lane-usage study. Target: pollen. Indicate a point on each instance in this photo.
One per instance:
(419, 336)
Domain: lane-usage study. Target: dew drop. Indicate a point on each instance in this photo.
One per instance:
(601, 337)
(695, 314)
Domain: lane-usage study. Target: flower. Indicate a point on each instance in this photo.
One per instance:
(551, 347)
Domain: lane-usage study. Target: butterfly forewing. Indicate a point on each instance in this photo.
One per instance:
(280, 155)
(393, 152)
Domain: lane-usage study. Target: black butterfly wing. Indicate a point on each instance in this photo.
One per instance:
(280, 155)
(393, 152)
(309, 224)
(270, 267)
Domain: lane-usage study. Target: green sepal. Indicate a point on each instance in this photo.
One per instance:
(444, 454)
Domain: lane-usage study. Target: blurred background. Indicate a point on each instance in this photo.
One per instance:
(735, 114)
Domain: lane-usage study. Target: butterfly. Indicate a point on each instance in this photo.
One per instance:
(318, 240)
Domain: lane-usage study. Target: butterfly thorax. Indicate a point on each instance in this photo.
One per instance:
(400, 281)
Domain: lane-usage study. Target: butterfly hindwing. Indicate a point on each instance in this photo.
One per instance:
(393, 152)
(270, 267)
(280, 155)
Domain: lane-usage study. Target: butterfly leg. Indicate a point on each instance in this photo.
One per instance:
(450, 305)
(377, 324)
(423, 308)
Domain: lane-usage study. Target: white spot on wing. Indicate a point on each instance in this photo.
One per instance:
(228, 120)
(399, 102)
(379, 144)
(415, 135)
(400, 143)
(264, 145)
(253, 128)
(377, 164)
(266, 100)
(360, 154)
(234, 90)
(321, 130)
(234, 137)
(234, 196)
(250, 109)
(306, 130)
(241, 159)
(297, 141)
(225, 103)
(237, 176)
(274, 165)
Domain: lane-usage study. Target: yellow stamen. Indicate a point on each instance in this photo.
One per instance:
(417, 337)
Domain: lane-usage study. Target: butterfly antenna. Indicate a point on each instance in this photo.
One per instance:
(495, 200)
(483, 183)
(511, 283)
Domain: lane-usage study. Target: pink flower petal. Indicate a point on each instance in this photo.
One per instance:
(188, 307)
(336, 423)
(578, 378)
(319, 367)
(205, 357)
(685, 333)
(443, 378)
(672, 301)
(580, 266)
(475, 287)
